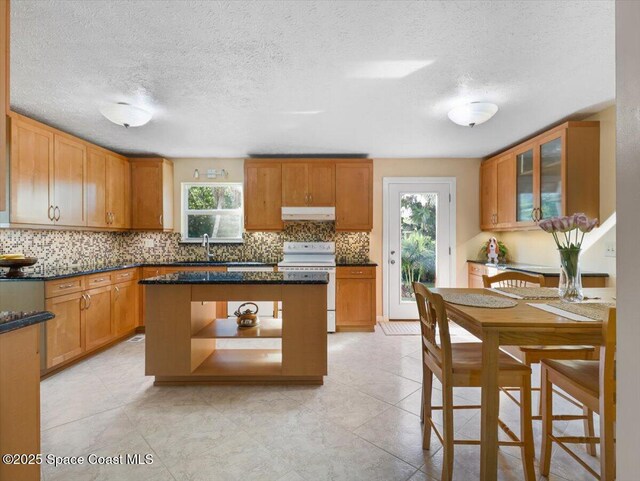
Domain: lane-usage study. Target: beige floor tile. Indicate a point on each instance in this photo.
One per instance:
(86, 435)
(362, 424)
(399, 433)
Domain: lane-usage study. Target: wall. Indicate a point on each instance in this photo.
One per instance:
(537, 247)
(468, 235)
(628, 200)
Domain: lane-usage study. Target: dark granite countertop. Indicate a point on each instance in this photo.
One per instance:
(534, 269)
(280, 278)
(10, 320)
(52, 273)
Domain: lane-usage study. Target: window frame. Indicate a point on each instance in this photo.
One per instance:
(185, 212)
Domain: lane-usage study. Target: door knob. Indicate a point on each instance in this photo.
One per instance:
(393, 252)
(393, 262)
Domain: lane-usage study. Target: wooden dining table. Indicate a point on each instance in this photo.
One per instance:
(520, 325)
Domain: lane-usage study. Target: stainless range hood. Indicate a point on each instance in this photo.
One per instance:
(318, 214)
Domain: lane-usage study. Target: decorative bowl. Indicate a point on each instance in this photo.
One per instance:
(15, 265)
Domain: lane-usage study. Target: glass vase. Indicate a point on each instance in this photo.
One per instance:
(570, 286)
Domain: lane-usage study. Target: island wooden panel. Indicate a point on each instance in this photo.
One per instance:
(20, 401)
(181, 335)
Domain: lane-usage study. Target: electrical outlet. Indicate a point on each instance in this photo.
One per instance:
(149, 243)
(610, 249)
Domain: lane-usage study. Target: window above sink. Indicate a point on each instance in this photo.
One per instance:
(213, 208)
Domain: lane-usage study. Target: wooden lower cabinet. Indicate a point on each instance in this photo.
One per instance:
(65, 333)
(99, 325)
(20, 401)
(476, 271)
(355, 298)
(124, 307)
(103, 308)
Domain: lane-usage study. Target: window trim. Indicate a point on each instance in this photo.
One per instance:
(184, 213)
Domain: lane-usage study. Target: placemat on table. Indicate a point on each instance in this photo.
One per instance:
(479, 300)
(598, 311)
(528, 292)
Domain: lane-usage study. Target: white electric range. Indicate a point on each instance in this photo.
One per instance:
(313, 257)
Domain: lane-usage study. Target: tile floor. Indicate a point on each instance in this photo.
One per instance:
(363, 424)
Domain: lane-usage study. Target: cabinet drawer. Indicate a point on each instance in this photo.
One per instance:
(61, 287)
(477, 269)
(97, 280)
(124, 275)
(356, 272)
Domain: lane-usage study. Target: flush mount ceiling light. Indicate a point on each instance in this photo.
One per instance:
(474, 113)
(126, 115)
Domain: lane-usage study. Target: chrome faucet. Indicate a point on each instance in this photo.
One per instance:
(207, 246)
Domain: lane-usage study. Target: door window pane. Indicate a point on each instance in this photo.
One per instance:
(551, 179)
(524, 186)
(417, 242)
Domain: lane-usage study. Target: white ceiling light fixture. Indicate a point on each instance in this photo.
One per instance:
(474, 113)
(124, 114)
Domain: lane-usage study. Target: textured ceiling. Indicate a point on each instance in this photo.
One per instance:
(224, 78)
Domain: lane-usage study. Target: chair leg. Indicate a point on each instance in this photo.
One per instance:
(427, 382)
(424, 374)
(546, 393)
(607, 437)
(589, 430)
(526, 430)
(447, 433)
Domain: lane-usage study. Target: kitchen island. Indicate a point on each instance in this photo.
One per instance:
(186, 344)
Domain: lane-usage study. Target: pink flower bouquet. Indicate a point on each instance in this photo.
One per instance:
(572, 227)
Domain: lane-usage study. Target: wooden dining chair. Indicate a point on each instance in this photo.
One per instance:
(534, 354)
(460, 365)
(593, 384)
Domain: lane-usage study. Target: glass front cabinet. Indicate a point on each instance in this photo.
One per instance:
(553, 174)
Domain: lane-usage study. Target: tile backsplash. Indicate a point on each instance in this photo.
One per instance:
(73, 248)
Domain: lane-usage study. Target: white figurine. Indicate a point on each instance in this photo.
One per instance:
(493, 250)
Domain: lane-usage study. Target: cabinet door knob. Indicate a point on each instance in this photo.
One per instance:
(160, 219)
(50, 213)
(56, 213)
(89, 301)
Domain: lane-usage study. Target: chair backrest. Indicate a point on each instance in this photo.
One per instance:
(608, 356)
(512, 279)
(433, 320)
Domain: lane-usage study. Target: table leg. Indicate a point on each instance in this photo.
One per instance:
(490, 407)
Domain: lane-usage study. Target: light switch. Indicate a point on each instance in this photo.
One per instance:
(610, 249)
(149, 243)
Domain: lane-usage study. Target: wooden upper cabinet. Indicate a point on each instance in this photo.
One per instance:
(262, 195)
(295, 191)
(322, 184)
(96, 188)
(354, 196)
(4, 98)
(151, 194)
(31, 173)
(57, 179)
(506, 196)
(554, 174)
(310, 183)
(118, 180)
(70, 160)
(108, 190)
(488, 194)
